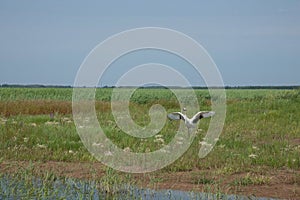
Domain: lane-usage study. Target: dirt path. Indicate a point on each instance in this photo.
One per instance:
(284, 184)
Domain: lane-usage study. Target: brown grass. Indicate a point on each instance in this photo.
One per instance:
(41, 107)
(35, 107)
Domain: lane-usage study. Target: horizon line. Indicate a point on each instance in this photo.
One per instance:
(151, 86)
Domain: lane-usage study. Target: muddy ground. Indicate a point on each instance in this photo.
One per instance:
(283, 184)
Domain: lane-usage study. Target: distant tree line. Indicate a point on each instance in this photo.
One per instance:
(264, 87)
(152, 87)
(33, 86)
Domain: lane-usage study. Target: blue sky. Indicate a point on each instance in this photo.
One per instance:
(252, 42)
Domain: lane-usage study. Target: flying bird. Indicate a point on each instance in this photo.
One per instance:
(190, 123)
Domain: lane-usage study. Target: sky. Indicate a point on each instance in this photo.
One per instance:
(251, 42)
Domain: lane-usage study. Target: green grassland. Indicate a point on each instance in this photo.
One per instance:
(261, 129)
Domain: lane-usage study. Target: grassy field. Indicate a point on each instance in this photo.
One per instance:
(261, 135)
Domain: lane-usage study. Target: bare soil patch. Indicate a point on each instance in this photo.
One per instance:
(283, 184)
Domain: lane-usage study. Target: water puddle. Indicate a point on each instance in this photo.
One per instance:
(12, 188)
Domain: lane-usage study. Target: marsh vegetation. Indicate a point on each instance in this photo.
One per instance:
(258, 150)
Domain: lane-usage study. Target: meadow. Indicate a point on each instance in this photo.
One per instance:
(258, 150)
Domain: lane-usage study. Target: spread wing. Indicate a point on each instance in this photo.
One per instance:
(202, 114)
(176, 116)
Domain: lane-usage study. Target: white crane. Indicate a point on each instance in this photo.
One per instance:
(190, 123)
